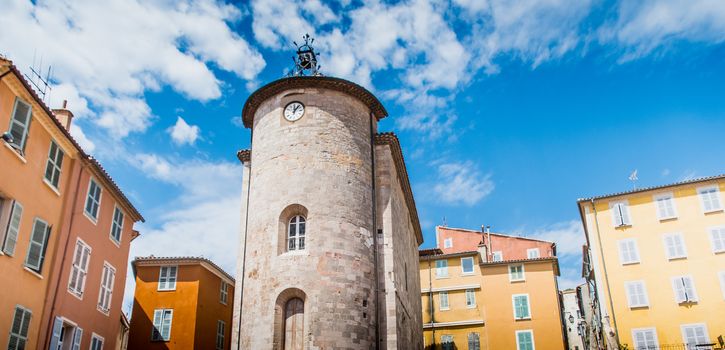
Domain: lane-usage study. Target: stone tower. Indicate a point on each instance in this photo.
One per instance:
(329, 230)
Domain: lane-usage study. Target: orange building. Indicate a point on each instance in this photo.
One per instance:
(45, 188)
(490, 291)
(181, 303)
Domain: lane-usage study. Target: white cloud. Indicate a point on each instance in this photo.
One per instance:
(461, 183)
(569, 239)
(81, 138)
(183, 133)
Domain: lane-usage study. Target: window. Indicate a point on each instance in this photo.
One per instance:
(96, 342)
(447, 342)
(107, 280)
(636, 294)
(470, 298)
(684, 288)
(717, 237)
(521, 306)
(93, 201)
(448, 243)
(694, 334)
(162, 324)
(79, 269)
(224, 292)
(13, 227)
(220, 335)
(645, 339)
(167, 278)
(38, 243)
(710, 198)
(665, 204)
(20, 124)
(54, 165)
(19, 329)
(474, 342)
(516, 273)
(620, 213)
(525, 340)
(117, 225)
(533, 253)
(467, 265)
(441, 268)
(498, 255)
(675, 246)
(628, 252)
(296, 234)
(443, 300)
(65, 335)
(294, 316)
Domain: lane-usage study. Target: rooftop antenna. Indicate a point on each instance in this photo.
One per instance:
(445, 222)
(633, 178)
(306, 60)
(42, 85)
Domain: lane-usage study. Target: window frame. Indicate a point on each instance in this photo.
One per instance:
(679, 236)
(440, 301)
(497, 253)
(220, 325)
(474, 344)
(630, 297)
(523, 273)
(701, 190)
(167, 278)
(43, 246)
(115, 226)
(448, 243)
(160, 332)
(445, 345)
(27, 314)
(82, 245)
(224, 292)
(721, 235)
(693, 325)
(105, 292)
(20, 147)
(636, 251)
(675, 282)
(97, 338)
(645, 329)
(90, 216)
(668, 198)
(618, 216)
(55, 165)
(301, 221)
(473, 269)
(530, 250)
(470, 292)
(528, 306)
(442, 268)
(518, 344)
(8, 225)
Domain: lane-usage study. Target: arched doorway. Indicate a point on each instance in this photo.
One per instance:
(294, 315)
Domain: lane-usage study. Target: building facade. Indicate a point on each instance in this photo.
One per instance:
(329, 227)
(45, 193)
(490, 291)
(573, 317)
(180, 303)
(656, 257)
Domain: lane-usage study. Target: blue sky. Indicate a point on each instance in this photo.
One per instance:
(507, 112)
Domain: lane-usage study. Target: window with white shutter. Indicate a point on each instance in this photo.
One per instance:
(620, 213)
(441, 268)
(665, 204)
(96, 342)
(474, 341)
(162, 325)
(521, 306)
(516, 273)
(443, 300)
(684, 288)
(117, 225)
(11, 229)
(710, 198)
(167, 278)
(675, 246)
(79, 268)
(107, 280)
(220, 328)
(470, 298)
(645, 339)
(533, 253)
(54, 165)
(19, 329)
(695, 334)
(717, 238)
(525, 340)
(93, 200)
(224, 292)
(20, 124)
(628, 252)
(636, 294)
(38, 243)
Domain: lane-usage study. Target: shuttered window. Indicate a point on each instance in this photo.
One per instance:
(516, 273)
(79, 269)
(447, 342)
(470, 298)
(220, 328)
(636, 294)
(224, 292)
(645, 339)
(167, 278)
(717, 238)
(96, 342)
(441, 268)
(710, 198)
(117, 225)
(12, 227)
(521, 306)
(684, 288)
(675, 246)
(38, 244)
(93, 200)
(525, 340)
(20, 124)
(628, 252)
(474, 342)
(443, 300)
(162, 324)
(54, 165)
(19, 329)
(107, 280)
(665, 206)
(695, 334)
(620, 214)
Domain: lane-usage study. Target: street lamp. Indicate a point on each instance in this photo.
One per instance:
(571, 318)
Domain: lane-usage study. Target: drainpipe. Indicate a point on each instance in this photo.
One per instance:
(244, 253)
(606, 276)
(375, 235)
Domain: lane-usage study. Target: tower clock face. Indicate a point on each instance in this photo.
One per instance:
(294, 111)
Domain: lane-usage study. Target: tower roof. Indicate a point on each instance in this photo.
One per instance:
(320, 82)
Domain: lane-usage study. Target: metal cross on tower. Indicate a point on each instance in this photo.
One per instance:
(306, 60)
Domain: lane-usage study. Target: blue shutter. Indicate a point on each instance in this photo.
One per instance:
(77, 339)
(55, 337)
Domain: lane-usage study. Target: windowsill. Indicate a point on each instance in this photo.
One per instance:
(105, 312)
(301, 252)
(714, 211)
(623, 226)
(79, 297)
(468, 274)
(670, 218)
(47, 184)
(523, 319)
(33, 272)
(115, 242)
(637, 307)
(448, 309)
(166, 290)
(630, 263)
(15, 152)
(719, 252)
(471, 306)
(442, 277)
(677, 258)
(515, 281)
(688, 302)
(94, 221)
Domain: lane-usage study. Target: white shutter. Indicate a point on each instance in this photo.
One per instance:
(163, 278)
(690, 288)
(620, 214)
(57, 329)
(172, 277)
(11, 232)
(717, 236)
(156, 331)
(166, 324)
(77, 337)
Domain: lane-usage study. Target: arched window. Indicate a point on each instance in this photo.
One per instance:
(294, 314)
(296, 233)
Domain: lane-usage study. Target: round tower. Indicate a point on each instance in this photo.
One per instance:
(307, 258)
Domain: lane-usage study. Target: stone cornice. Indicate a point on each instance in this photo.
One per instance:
(330, 83)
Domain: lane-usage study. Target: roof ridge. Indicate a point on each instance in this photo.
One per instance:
(656, 187)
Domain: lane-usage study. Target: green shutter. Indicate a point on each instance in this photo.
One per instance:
(11, 232)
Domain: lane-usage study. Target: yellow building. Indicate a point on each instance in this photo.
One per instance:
(658, 262)
(490, 291)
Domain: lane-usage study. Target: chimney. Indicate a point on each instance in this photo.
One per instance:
(63, 115)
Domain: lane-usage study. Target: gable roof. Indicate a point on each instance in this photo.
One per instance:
(183, 260)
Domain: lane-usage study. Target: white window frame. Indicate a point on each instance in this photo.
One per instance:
(447, 339)
(105, 293)
(472, 294)
(442, 271)
(296, 242)
(703, 189)
(638, 346)
(623, 218)
(91, 216)
(161, 324)
(530, 331)
(165, 280)
(79, 271)
(536, 252)
(42, 246)
(497, 256)
(25, 319)
(627, 241)
(473, 269)
(97, 338)
(720, 232)
(20, 144)
(675, 236)
(661, 202)
(448, 243)
(677, 282)
(512, 278)
(630, 298)
(117, 225)
(220, 330)
(224, 292)
(441, 297)
(683, 328)
(11, 226)
(528, 306)
(53, 166)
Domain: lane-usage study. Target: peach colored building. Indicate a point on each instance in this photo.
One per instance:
(490, 291)
(44, 189)
(181, 303)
